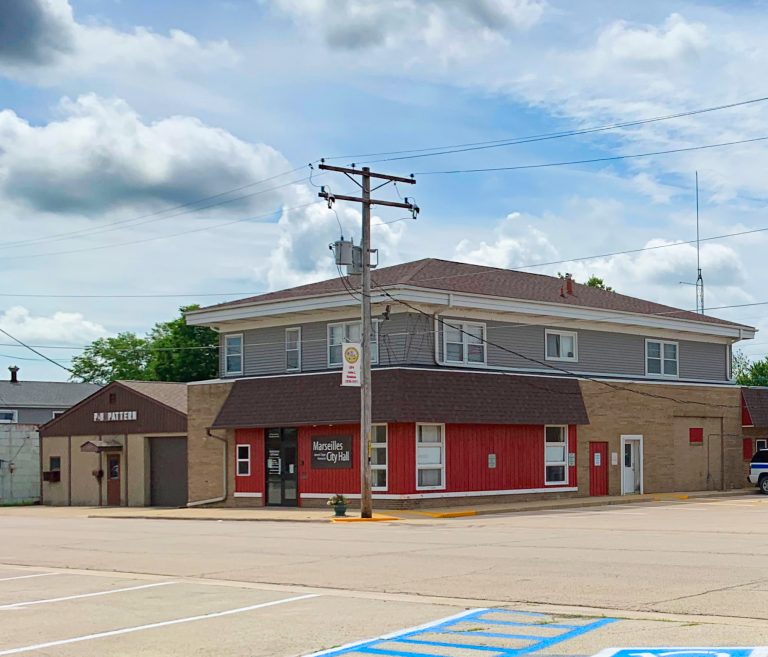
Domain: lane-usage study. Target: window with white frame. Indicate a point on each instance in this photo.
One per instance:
(243, 460)
(561, 345)
(379, 457)
(464, 342)
(342, 332)
(233, 354)
(661, 358)
(293, 349)
(57, 413)
(8, 416)
(555, 455)
(761, 443)
(430, 456)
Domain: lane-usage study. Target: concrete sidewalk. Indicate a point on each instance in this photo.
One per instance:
(281, 514)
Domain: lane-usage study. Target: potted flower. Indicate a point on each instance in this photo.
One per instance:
(339, 504)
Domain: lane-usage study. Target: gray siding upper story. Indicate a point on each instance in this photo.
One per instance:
(408, 339)
(31, 415)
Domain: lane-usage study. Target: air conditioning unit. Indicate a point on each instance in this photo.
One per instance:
(53, 476)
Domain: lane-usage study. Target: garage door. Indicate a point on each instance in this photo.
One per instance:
(168, 471)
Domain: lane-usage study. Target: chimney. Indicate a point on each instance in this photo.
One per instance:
(569, 285)
(14, 373)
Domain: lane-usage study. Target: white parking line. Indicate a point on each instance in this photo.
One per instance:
(150, 626)
(8, 579)
(19, 605)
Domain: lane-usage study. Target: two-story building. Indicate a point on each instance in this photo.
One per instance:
(487, 383)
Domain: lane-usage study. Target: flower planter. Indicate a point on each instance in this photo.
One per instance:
(340, 510)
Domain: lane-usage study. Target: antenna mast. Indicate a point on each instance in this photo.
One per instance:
(699, 278)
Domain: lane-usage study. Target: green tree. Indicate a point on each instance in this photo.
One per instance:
(595, 281)
(124, 356)
(740, 367)
(755, 375)
(181, 352)
(171, 351)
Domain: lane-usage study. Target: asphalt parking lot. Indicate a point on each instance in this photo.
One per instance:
(555, 583)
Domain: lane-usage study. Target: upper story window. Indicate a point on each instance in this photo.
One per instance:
(233, 354)
(293, 349)
(8, 416)
(464, 342)
(342, 332)
(561, 345)
(661, 358)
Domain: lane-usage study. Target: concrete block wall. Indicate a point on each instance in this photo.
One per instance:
(206, 456)
(663, 415)
(20, 445)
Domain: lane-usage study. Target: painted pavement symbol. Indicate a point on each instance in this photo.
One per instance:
(711, 651)
(519, 627)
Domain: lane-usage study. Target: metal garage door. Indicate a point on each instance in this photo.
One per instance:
(168, 471)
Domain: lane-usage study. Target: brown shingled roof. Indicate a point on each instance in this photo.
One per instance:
(170, 394)
(405, 395)
(756, 400)
(446, 275)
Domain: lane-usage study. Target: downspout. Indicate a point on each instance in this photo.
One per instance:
(435, 315)
(225, 474)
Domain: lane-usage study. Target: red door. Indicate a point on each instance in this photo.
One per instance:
(598, 469)
(113, 479)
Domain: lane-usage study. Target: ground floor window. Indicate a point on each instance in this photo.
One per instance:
(54, 464)
(430, 456)
(243, 460)
(555, 455)
(761, 443)
(379, 457)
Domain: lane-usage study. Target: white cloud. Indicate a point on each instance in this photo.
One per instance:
(64, 328)
(514, 244)
(101, 155)
(43, 42)
(675, 40)
(449, 27)
(302, 254)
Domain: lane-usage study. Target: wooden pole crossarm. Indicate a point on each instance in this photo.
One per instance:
(373, 201)
(359, 172)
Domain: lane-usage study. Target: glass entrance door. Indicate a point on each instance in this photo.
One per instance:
(282, 467)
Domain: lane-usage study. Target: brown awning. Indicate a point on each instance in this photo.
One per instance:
(756, 400)
(405, 395)
(100, 446)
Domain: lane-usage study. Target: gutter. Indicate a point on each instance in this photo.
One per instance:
(223, 496)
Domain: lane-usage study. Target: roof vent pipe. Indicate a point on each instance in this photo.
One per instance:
(14, 373)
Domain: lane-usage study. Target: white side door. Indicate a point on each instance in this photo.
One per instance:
(632, 468)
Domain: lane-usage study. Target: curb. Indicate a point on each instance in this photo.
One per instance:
(374, 519)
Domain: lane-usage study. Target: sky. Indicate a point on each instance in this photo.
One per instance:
(161, 147)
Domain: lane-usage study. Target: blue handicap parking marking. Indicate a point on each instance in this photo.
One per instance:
(711, 651)
(434, 639)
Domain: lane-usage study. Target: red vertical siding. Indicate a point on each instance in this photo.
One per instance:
(746, 418)
(747, 451)
(255, 482)
(328, 480)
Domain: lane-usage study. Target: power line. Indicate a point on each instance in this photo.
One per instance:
(157, 237)
(592, 160)
(496, 143)
(35, 351)
(122, 222)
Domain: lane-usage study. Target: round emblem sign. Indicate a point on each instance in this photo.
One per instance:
(352, 355)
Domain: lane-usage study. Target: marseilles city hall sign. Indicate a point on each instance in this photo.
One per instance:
(115, 416)
(332, 452)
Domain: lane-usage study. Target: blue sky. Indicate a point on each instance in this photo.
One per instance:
(111, 110)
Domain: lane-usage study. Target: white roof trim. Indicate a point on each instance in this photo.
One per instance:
(412, 294)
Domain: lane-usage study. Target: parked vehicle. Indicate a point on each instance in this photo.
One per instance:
(758, 470)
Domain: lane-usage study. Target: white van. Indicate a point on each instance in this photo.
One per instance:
(758, 470)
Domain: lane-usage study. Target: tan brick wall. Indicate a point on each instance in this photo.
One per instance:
(206, 454)
(663, 414)
(56, 494)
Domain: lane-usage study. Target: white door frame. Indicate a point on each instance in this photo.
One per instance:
(624, 440)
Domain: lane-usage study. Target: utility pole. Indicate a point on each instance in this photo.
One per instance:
(366, 501)
(700, 278)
